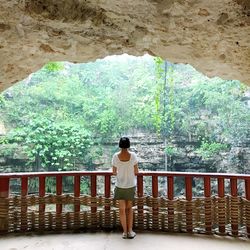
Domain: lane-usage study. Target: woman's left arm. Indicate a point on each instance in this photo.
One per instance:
(136, 169)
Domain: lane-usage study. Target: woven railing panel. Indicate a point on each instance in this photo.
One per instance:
(178, 215)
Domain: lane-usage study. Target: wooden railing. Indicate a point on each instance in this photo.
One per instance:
(224, 212)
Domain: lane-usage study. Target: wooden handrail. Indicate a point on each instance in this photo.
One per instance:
(144, 173)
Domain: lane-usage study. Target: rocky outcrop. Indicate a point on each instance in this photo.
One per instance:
(213, 36)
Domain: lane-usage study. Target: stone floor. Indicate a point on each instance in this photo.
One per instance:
(113, 241)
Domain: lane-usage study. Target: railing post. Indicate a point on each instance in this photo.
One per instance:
(107, 190)
(155, 202)
(171, 205)
(234, 206)
(77, 205)
(208, 208)
(4, 205)
(58, 206)
(42, 202)
(247, 192)
(24, 192)
(221, 204)
(94, 221)
(189, 212)
(41, 192)
(140, 201)
(93, 195)
(58, 192)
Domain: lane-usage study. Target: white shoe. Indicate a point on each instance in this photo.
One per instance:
(131, 235)
(124, 235)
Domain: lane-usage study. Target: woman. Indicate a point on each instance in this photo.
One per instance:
(125, 167)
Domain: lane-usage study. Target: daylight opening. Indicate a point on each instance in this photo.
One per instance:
(70, 116)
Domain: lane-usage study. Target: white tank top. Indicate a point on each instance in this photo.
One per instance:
(125, 177)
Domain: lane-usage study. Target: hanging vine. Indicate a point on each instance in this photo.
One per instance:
(160, 88)
(164, 98)
(171, 97)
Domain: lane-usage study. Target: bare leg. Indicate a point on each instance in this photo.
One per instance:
(122, 212)
(129, 212)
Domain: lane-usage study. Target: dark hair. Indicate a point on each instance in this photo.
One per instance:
(124, 142)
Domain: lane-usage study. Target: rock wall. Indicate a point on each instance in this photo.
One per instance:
(151, 152)
(213, 36)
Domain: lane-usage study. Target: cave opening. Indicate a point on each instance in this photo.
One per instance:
(69, 117)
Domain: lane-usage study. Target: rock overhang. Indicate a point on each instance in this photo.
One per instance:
(213, 36)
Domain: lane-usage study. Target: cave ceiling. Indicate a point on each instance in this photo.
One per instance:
(213, 36)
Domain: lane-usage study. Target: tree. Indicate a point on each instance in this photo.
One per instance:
(52, 146)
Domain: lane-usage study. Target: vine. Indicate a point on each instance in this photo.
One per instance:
(164, 98)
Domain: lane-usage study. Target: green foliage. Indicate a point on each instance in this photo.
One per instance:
(105, 101)
(54, 146)
(160, 70)
(9, 149)
(158, 118)
(54, 66)
(2, 101)
(3, 140)
(170, 150)
(208, 149)
(85, 185)
(171, 96)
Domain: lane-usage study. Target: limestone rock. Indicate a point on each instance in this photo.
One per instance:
(213, 36)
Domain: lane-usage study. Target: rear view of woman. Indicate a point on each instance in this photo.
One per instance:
(125, 167)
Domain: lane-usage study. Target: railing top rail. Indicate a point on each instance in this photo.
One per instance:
(55, 173)
(142, 173)
(196, 174)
